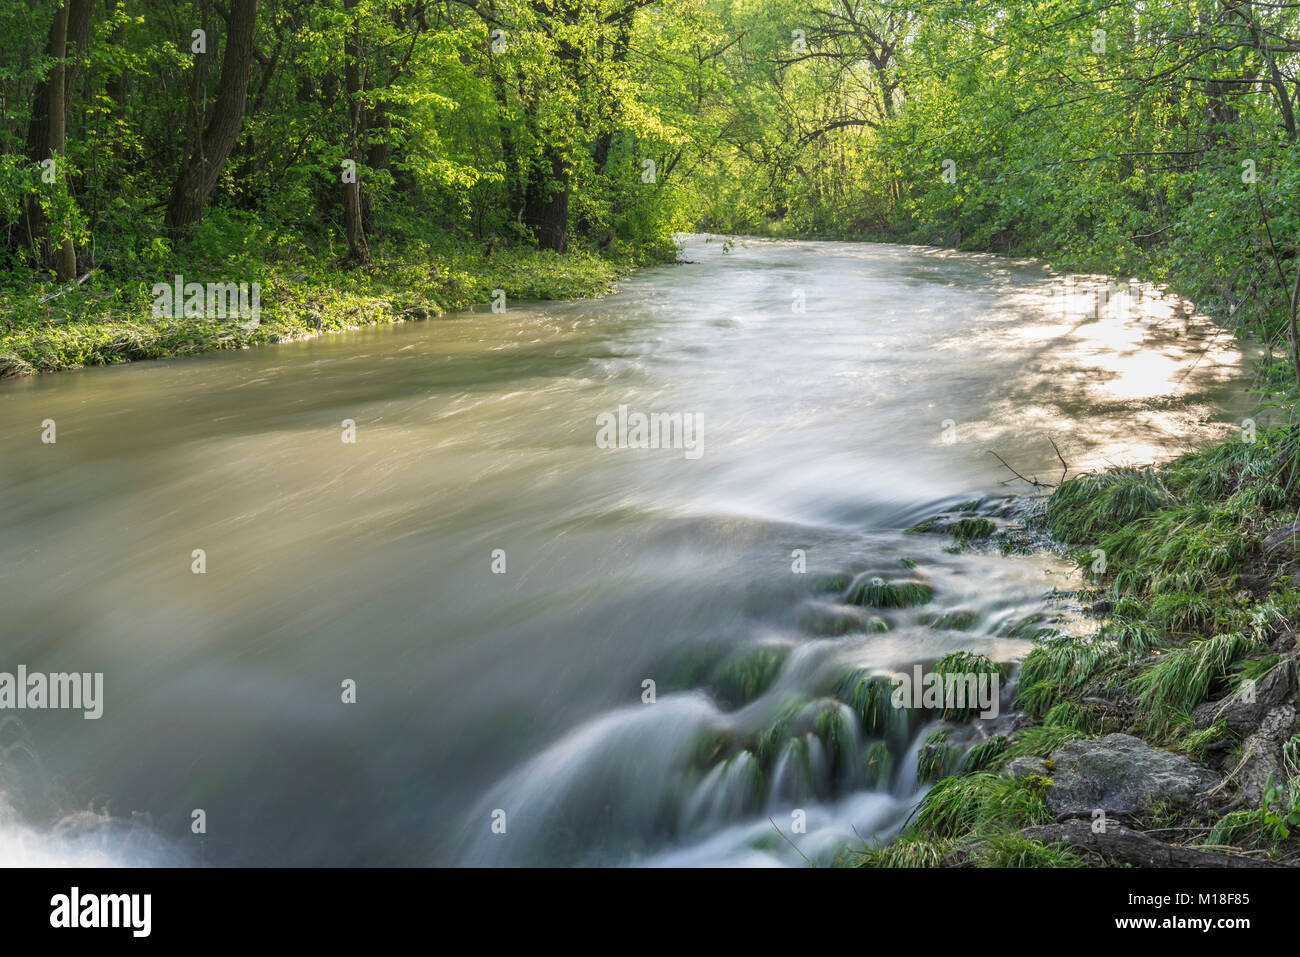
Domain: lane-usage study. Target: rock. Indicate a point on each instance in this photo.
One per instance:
(1243, 716)
(1283, 644)
(1123, 776)
(1261, 757)
(825, 618)
(1021, 768)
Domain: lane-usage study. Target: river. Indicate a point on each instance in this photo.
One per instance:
(498, 585)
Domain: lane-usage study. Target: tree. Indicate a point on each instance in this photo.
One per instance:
(206, 156)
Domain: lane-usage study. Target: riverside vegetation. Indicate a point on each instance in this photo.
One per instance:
(369, 160)
(1196, 579)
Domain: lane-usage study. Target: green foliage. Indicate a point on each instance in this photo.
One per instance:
(910, 850)
(1014, 850)
(1181, 679)
(1268, 825)
(978, 803)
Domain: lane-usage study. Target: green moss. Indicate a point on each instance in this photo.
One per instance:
(710, 747)
(959, 619)
(836, 584)
(775, 732)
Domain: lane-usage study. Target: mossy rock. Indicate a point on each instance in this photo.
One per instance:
(876, 592)
(746, 673)
(831, 584)
(880, 763)
(836, 620)
(969, 530)
(869, 696)
(959, 619)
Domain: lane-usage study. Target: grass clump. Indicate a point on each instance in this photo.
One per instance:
(1016, 850)
(979, 803)
(1180, 679)
(876, 592)
(910, 850)
(968, 530)
(1083, 507)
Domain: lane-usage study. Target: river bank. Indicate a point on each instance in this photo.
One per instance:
(1169, 735)
(112, 318)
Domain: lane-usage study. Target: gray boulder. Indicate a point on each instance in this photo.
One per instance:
(1119, 773)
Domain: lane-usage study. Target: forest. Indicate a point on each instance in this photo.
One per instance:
(369, 158)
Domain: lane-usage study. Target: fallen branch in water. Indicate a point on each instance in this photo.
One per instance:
(1034, 481)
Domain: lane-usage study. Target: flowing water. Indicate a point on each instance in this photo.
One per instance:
(839, 393)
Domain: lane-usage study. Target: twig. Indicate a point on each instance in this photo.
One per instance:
(1064, 468)
(791, 843)
(1032, 481)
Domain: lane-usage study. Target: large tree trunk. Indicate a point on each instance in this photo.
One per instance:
(207, 154)
(47, 130)
(546, 207)
(354, 224)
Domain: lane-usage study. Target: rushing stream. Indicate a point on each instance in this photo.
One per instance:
(838, 394)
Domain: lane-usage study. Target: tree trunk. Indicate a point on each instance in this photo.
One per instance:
(65, 256)
(546, 207)
(207, 155)
(1134, 847)
(47, 132)
(353, 221)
